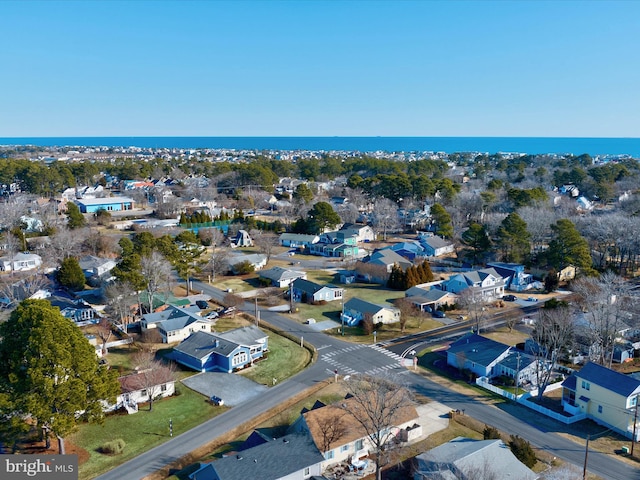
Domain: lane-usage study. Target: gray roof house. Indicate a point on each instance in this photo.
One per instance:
(308, 291)
(436, 246)
(477, 354)
(468, 459)
(290, 457)
(281, 277)
(175, 323)
(298, 240)
(485, 283)
(95, 268)
(429, 300)
(258, 260)
(243, 239)
(355, 310)
(226, 352)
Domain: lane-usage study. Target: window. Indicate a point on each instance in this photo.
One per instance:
(163, 387)
(307, 471)
(328, 455)
(143, 393)
(359, 444)
(586, 385)
(239, 358)
(344, 448)
(599, 408)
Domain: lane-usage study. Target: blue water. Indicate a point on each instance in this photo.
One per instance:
(532, 145)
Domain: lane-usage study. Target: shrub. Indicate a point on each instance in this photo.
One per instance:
(490, 433)
(114, 447)
(522, 450)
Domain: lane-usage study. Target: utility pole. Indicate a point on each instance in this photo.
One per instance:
(586, 454)
(635, 422)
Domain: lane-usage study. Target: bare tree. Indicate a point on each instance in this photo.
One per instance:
(475, 305)
(232, 300)
(371, 272)
(63, 244)
(152, 374)
(157, 271)
(605, 301)
(377, 405)
(385, 216)
(104, 329)
(218, 262)
(552, 334)
(266, 242)
(120, 298)
(407, 309)
(12, 210)
(13, 246)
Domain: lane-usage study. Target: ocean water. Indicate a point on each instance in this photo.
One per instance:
(532, 145)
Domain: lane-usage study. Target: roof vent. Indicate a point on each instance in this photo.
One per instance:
(285, 440)
(239, 457)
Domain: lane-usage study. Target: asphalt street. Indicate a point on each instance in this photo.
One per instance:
(348, 359)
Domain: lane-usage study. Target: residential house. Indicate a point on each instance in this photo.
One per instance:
(311, 292)
(409, 250)
(513, 274)
(110, 204)
(95, 268)
(363, 233)
(355, 442)
(486, 283)
(469, 459)
(140, 388)
(227, 351)
(291, 457)
(298, 240)
(434, 246)
(175, 323)
(243, 239)
(356, 310)
(281, 277)
(521, 367)
(477, 354)
(385, 259)
(20, 262)
(76, 310)
(429, 299)
(257, 260)
(335, 244)
(605, 396)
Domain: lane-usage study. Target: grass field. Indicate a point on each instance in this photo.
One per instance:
(285, 358)
(143, 430)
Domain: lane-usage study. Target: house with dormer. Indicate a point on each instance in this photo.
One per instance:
(486, 284)
(175, 323)
(227, 351)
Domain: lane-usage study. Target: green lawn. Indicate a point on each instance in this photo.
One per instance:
(285, 358)
(143, 430)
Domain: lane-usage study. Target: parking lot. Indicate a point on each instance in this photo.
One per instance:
(233, 389)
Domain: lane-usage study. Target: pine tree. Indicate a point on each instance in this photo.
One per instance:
(70, 274)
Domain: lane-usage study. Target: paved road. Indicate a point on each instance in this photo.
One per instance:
(349, 359)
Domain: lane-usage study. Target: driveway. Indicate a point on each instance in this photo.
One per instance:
(233, 389)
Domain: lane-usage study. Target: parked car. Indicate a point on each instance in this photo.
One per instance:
(216, 400)
(439, 314)
(202, 304)
(532, 299)
(228, 311)
(509, 298)
(212, 315)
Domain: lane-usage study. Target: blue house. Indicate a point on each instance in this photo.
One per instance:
(226, 352)
(307, 291)
(110, 204)
(513, 273)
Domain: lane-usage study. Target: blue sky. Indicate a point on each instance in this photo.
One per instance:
(320, 68)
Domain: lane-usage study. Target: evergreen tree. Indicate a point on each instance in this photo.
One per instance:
(514, 239)
(75, 219)
(426, 275)
(477, 239)
(50, 372)
(411, 278)
(442, 221)
(70, 274)
(322, 217)
(522, 450)
(569, 248)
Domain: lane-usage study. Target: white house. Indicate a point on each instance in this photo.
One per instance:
(20, 262)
